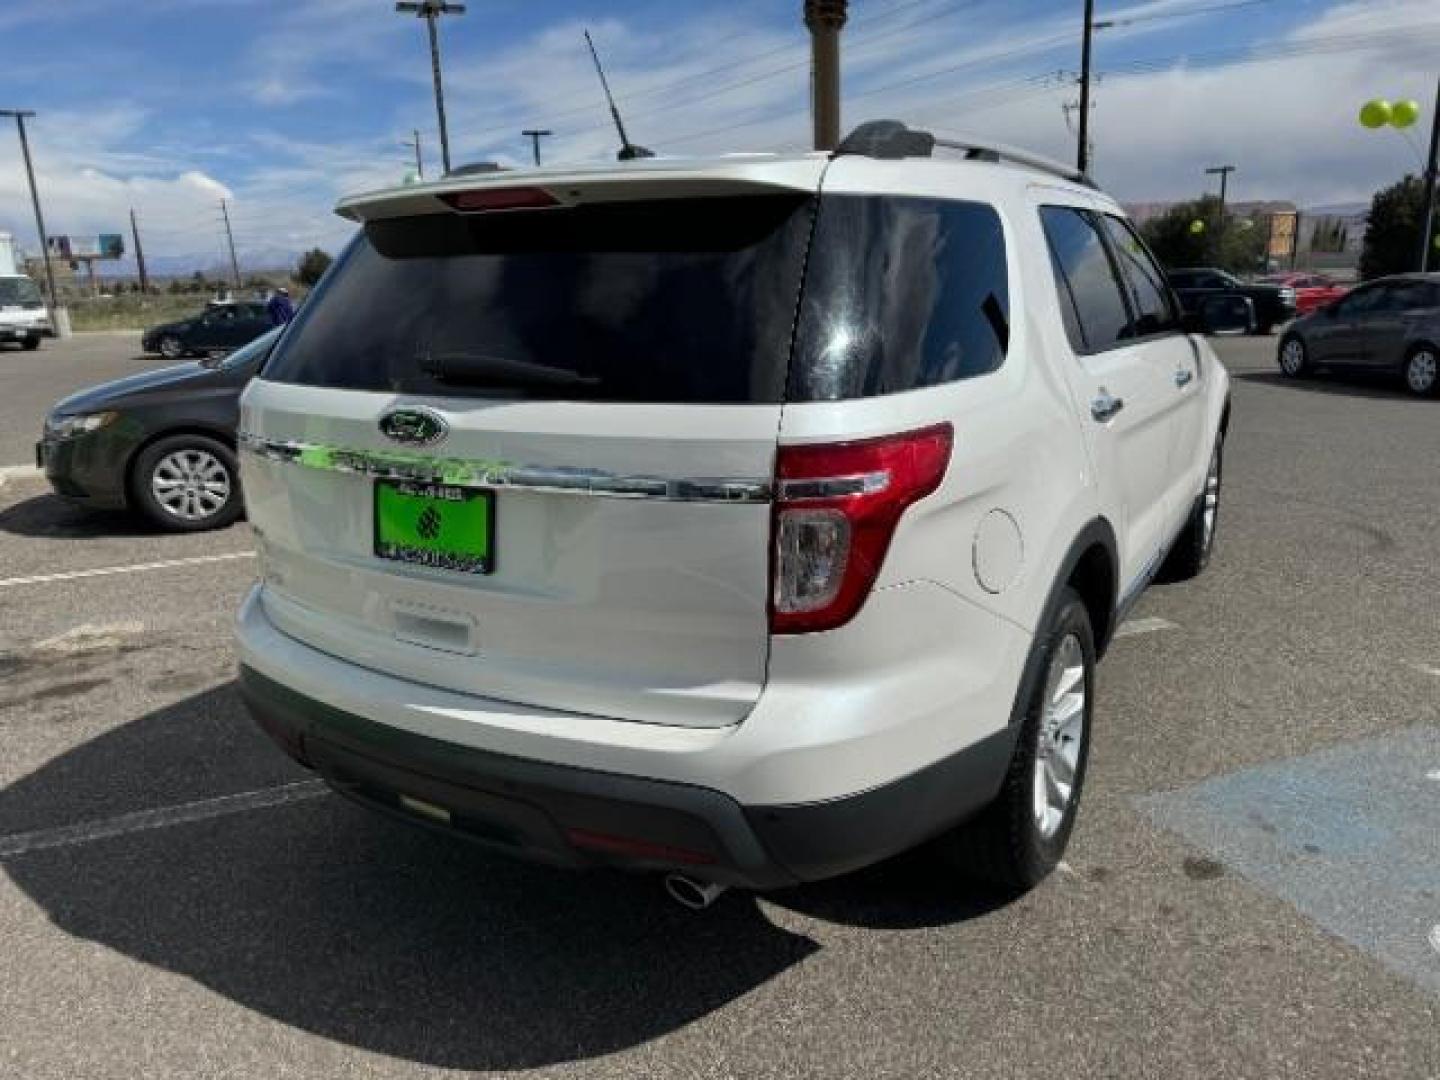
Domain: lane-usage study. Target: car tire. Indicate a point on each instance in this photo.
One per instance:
(1191, 552)
(187, 483)
(1018, 839)
(1421, 371)
(30, 344)
(171, 347)
(1294, 357)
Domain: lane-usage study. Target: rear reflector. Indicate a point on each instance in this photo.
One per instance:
(517, 198)
(836, 507)
(632, 848)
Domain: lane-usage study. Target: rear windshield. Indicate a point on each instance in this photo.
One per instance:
(691, 300)
(658, 301)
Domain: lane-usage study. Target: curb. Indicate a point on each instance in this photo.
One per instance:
(18, 472)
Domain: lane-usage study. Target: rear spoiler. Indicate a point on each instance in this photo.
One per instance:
(533, 189)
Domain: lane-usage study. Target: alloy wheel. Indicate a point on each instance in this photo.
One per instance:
(1421, 371)
(192, 484)
(1292, 357)
(1061, 736)
(1211, 508)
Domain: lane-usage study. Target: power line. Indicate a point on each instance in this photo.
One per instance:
(1184, 13)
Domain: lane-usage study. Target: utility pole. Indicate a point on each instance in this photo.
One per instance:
(414, 143)
(20, 115)
(139, 255)
(230, 239)
(1224, 172)
(535, 135)
(825, 19)
(430, 11)
(1432, 175)
(1082, 153)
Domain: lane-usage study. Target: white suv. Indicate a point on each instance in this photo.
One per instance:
(751, 518)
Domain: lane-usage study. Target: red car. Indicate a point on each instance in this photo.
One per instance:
(1312, 291)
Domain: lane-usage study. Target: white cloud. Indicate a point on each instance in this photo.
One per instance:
(711, 79)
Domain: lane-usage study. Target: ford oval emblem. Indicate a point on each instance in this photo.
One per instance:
(414, 427)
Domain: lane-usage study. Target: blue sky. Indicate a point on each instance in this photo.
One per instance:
(280, 107)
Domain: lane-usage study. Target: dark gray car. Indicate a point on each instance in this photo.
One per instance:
(161, 442)
(1391, 325)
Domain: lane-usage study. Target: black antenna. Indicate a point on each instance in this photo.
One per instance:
(628, 150)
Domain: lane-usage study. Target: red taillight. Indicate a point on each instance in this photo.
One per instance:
(516, 198)
(836, 507)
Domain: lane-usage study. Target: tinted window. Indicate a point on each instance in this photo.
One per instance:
(1086, 279)
(1412, 296)
(669, 300)
(1149, 295)
(1181, 279)
(900, 293)
(1362, 301)
(18, 290)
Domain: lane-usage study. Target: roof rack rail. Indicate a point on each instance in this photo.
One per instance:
(891, 140)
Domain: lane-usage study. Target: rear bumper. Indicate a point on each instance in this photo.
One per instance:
(653, 807)
(571, 817)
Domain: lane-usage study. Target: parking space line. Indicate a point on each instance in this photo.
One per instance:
(1131, 627)
(162, 818)
(133, 568)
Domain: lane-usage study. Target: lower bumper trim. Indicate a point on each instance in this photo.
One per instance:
(550, 813)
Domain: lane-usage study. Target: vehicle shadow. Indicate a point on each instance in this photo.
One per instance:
(49, 517)
(330, 919)
(1347, 384)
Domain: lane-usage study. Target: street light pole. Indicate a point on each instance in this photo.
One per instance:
(1432, 168)
(535, 135)
(430, 10)
(1224, 172)
(20, 115)
(825, 19)
(414, 143)
(1082, 153)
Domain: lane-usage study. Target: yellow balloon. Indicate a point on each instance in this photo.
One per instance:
(1404, 113)
(1376, 113)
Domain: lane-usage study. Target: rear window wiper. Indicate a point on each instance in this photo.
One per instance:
(478, 369)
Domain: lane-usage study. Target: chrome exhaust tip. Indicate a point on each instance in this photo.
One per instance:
(695, 895)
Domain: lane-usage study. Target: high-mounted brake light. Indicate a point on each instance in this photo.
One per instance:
(516, 198)
(836, 508)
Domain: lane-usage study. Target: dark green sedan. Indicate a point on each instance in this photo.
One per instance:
(220, 328)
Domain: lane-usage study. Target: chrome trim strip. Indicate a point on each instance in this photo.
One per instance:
(832, 487)
(399, 465)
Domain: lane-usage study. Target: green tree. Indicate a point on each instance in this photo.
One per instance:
(1392, 235)
(1237, 245)
(312, 266)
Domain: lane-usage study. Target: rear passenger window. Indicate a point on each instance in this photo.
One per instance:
(1085, 277)
(1149, 296)
(900, 293)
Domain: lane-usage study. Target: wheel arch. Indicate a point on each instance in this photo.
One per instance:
(1090, 566)
(225, 438)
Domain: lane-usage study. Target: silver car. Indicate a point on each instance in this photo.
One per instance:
(1388, 325)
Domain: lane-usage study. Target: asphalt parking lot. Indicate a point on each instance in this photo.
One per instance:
(1253, 889)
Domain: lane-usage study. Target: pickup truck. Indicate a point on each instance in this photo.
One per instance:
(1273, 304)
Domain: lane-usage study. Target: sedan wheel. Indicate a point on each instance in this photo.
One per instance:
(1293, 359)
(170, 348)
(192, 484)
(1422, 372)
(186, 483)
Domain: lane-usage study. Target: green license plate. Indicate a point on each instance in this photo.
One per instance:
(437, 525)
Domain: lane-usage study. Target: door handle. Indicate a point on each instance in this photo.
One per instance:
(1183, 377)
(1105, 405)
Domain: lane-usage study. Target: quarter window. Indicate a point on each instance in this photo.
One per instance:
(1097, 317)
(1149, 295)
